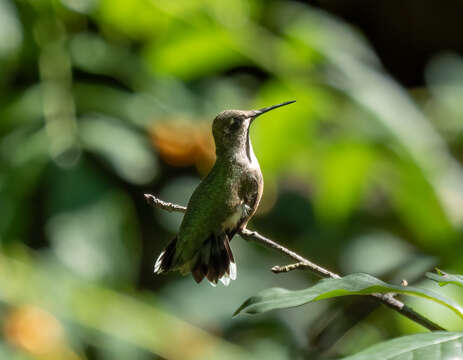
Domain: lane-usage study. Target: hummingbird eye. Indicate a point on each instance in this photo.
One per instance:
(234, 124)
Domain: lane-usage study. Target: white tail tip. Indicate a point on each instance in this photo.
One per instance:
(157, 265)
(232, 270)
(225, 280)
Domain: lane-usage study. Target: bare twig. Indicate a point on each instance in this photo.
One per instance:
(287, 268)
(256, 237)
(386, 299)
(164, 205)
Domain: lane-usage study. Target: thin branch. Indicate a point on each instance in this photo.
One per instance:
(164, 205)
(386, 299)
(318, 270)
(287, 268)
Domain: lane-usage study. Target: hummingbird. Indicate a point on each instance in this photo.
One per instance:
(221, 205)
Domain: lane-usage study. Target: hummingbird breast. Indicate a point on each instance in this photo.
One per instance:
(241, 212)
(249, 187)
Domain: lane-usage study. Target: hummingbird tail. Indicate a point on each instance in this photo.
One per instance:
(215, 261)
(164, 261)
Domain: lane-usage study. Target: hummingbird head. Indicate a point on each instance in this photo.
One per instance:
(231, 128)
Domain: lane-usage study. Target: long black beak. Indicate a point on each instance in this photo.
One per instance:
(259, 112)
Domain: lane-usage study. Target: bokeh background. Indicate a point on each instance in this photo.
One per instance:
(105, 100)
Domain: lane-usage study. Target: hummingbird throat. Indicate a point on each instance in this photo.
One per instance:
(248, 146)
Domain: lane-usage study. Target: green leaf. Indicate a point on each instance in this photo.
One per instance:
(444, 279)
(428, 346)
(355, 284)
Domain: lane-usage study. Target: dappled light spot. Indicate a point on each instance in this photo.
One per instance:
(33, 330)
(181, 143)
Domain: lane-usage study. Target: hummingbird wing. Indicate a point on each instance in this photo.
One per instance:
(212, 202)
(201, 245)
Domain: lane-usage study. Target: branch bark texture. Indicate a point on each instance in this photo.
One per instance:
(302, 263)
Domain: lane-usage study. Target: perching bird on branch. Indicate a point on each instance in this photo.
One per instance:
(221, 205)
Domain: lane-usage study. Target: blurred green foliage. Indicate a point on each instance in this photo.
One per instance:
(361, 175)
(435, 345)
